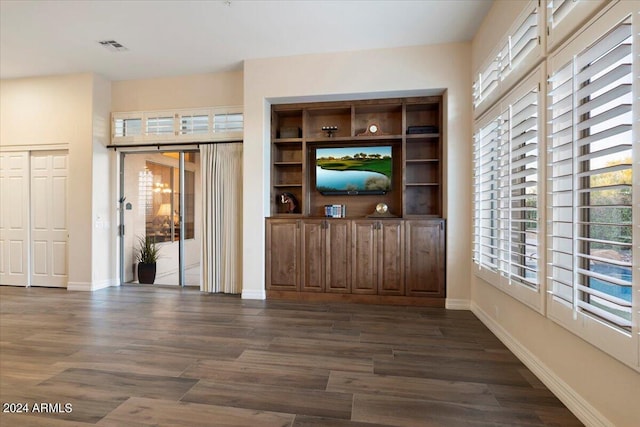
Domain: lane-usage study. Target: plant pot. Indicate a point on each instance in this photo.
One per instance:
(146, 273)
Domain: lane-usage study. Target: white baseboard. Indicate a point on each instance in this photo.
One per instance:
(89, 287)
(457, 304)
(251, 294)
(582, 409)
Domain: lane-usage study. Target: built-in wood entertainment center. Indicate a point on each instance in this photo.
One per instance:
(383, 242)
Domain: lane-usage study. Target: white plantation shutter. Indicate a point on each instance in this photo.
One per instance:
(123, 127)
(590, 179)
(228, 122)
(565, 16)
(506, 188)
(159, 125)
(178, 126)
(486, 82)
(557, 10)
(519, 190)
(561, 176)
(518, 51)
(194, 124)
(522, 41)
(486, 164)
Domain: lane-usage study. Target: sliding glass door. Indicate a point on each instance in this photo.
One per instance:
(160, 208)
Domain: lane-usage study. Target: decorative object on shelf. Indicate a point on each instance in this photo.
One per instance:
(330, 130)
(373, 129)
(381, 211)
(335, 211)
(414, 130)
(147, 254)
(289, 200)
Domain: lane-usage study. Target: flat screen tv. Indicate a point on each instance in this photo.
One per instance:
(354, 170)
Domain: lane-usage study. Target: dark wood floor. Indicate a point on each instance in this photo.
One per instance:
(142, 356)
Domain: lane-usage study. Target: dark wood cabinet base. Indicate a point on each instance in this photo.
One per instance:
(353, 298)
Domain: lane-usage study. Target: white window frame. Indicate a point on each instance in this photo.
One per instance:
(623, 345)
(531, 294)
(503, 70)
(176, 135)
(569, 16)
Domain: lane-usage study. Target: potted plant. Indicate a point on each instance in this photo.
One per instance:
(147, 254)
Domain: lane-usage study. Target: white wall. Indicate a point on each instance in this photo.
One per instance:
(103, 189)
(57, 112)
(364, 74)
(198, 90)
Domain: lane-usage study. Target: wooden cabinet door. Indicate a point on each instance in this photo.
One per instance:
(337, 256)
(390, 257)
(363, 257)
(425, 258)
(283, 254)
(312, 256)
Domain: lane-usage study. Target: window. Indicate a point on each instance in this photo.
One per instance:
(522, 41)
(194, 124)
(557, 10)
(159, 187)
(590, 185)
(486, 82)
(518, 195)
(127, 127)
(178, 126)
(229, 122)
(159, 125)
(519, 48)
(564, 17)
(486, 196)
(592, 179)
(506, 181)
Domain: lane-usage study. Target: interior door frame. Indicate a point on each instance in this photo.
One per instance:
(28, 150)
(142, 149)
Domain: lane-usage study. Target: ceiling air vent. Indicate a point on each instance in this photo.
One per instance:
(112, 46)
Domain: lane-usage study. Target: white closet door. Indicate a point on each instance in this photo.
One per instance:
(49, 231)
(14, 218)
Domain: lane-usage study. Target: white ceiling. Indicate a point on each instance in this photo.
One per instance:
(168, 38)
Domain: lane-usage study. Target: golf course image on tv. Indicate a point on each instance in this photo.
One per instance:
(354, 170)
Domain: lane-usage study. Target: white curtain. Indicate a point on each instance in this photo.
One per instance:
(221, 166)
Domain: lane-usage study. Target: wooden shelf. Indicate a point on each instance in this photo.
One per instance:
(417, 136)
(287, 163)
(330, 139)
(416, 169)
(357, 257)
(423, 160)
(287, 141)
(422, 184)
